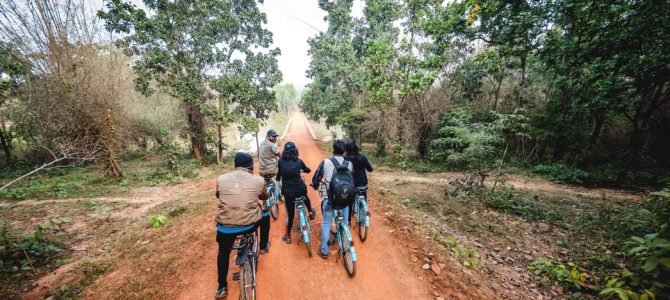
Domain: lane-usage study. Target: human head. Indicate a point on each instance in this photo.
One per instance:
(352, 148)
(272, 135)
(338, 147)
(244, 160)
(290, 151)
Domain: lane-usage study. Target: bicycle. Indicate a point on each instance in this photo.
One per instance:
(362, 213)
(273, 201)
(303, 222)
(247, 258)
(342, 237)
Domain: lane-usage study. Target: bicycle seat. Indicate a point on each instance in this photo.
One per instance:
(300, 199)
(362, 189)
(268, 177)
(340, 218)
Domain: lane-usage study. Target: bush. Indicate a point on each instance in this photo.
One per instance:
(562, 173)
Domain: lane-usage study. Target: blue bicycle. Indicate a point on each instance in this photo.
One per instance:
(303, 222)
(272, 203)
(342, 237)
(362, 213)
(247, 259)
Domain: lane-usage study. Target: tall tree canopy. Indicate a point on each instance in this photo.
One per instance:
(184, 46)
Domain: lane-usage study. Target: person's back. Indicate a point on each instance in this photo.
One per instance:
(238, 198)
(268, 152)
(360, 162)
(238, 212)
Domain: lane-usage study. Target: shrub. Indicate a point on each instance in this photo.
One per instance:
(563, 173)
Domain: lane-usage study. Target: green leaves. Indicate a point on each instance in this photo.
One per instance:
(179, 44)
(157, 220)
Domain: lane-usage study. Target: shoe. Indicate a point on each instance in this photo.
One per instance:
(322, 255)
(221, 293)
(286, 239)
(266, 249)
(312, 214)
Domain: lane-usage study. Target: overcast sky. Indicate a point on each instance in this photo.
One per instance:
(292, 22)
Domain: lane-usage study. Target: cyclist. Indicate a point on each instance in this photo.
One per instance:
(361, 165)
(292, 186)
(240, 195)
(324, 173)
(268, 154)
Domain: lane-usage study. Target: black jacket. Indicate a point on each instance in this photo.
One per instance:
(360, 166)
(289, 174)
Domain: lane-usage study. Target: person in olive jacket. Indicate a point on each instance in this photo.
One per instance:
(292, 184)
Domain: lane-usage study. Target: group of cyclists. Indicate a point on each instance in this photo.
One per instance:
(242, 208)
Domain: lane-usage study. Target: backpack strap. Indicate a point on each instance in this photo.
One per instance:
(335, 162)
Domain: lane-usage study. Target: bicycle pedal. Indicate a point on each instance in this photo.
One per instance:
(236, 276)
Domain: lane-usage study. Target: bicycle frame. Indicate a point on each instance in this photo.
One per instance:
(302, 217)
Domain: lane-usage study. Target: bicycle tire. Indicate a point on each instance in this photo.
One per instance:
(274, 210)
(309, 248)
(349, 264)
(362, 229)
(248, 285)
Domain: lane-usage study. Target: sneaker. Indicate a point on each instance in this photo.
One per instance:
(221, 293)
(286, 239)
(312, 214)
(266, 249)
(323, 255)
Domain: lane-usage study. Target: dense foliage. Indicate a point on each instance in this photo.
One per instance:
(592, 80)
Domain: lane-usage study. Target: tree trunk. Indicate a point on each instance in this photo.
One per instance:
(497, 95)
(5, 141)
(219, 136)
(522, 85)
(196, 130)
(422, 145)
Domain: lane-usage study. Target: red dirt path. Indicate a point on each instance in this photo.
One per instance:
(383, 269)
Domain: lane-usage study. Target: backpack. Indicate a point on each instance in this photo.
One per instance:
(341, 189)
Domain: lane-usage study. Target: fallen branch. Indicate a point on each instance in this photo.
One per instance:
(32, 172)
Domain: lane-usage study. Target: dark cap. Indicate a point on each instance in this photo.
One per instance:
(243, 160)
(290, 146)
(272, 133)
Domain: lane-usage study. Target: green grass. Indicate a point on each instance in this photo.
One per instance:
(90, 181)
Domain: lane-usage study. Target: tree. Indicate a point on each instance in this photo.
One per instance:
(180, 44)
(287, 96)
(12, 74)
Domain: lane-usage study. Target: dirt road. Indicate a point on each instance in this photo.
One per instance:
(287, 272)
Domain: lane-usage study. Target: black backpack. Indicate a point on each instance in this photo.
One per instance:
(341, 189)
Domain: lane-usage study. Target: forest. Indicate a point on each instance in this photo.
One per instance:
(574, 90)
(521, 148)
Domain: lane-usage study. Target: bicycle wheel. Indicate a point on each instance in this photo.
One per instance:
(347, 258)
(309, 248)
(274, 210)
(362, 229)
(248, 284)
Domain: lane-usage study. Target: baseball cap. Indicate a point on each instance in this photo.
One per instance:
(272, 132)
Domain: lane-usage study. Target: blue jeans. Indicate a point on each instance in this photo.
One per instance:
(327, 213)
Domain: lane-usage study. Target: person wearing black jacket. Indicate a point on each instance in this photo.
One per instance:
(292, 186)
(361, 165)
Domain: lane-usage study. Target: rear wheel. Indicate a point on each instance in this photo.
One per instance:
(248, 284)
(274, 210)
(349, 262)
(362, 229)
(309, 248)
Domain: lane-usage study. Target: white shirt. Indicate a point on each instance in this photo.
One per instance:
(329, 167)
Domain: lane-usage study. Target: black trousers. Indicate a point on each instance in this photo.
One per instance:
(290, 208)
(265, 231)
(226, 241)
